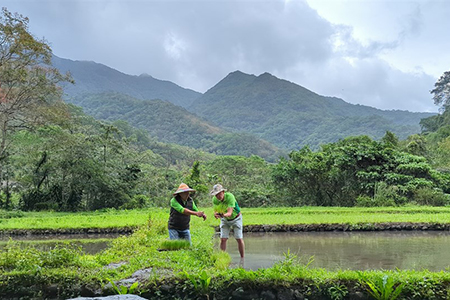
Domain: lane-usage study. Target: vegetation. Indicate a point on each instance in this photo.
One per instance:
(173, 124)
(69, 161)
(359, 171)
(201, 269)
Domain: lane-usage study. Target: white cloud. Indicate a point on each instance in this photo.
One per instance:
(386, 54)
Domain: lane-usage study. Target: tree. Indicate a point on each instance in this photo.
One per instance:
(441, 90)
(357, 166)
(390, 139)
(28, 82)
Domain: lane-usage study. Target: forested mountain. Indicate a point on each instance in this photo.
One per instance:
(291, 116)
(280, 112)
(173, 124)
(91, 77)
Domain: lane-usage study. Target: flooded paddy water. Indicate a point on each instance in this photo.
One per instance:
(356, 250)
(376, 250)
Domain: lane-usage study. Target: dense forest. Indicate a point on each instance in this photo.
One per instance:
(170, 123)
(54, 156)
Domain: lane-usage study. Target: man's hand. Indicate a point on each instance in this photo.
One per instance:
(227, 215)
(201, 214)
(218, 215)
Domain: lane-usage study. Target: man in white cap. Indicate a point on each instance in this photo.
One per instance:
(182, 207)
(227, 209)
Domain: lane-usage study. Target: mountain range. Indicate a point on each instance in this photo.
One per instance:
(241, 110)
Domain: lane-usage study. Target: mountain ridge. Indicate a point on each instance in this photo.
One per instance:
(275, 110)
(291, 116)
(91, 77)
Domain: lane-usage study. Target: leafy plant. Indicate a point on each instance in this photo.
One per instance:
(123, 290)
(201, 282)
(382, 288)
(337, 292)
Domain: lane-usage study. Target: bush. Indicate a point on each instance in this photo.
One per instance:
(251, 198)
(138, 201)
(366, 201)
(388, 195)
(433, 197)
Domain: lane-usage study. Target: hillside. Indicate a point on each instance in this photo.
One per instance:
(173, 124)
(91, 77)
(291, 116)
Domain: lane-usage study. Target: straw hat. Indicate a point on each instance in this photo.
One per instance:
(183, 188)
(216, 189)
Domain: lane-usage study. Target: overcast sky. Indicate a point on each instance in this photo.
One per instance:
(382, 53)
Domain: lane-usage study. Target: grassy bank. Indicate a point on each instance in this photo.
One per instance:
(201, 270)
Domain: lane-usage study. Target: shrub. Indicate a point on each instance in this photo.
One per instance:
(366, 201)
(387, 195)
(138, 201)
(433, 197)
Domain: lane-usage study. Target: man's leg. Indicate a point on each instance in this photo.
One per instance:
(223, 244)
(241, 247)
(224, 234)
(239, 235)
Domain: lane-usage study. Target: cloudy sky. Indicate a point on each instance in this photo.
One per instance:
(382, 53)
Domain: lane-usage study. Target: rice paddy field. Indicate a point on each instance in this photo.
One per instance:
(252, 216)
(200, 271)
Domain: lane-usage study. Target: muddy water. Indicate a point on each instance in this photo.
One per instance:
(348, 250)
(89, 243)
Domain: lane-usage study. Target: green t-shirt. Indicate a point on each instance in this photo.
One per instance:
(228, 201)
(179, 208)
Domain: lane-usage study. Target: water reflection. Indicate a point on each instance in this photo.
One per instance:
(349, 250)
(89, 243)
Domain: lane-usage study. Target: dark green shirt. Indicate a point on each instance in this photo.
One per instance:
(178, 220)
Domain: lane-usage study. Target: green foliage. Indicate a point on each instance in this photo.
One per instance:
(138, 201)
(385, 195)
(200, 282)
(383, 288)
(337, 292)
(431, 197)
(390, 140)
(173, 124)
(352, 171)
(441, 91)
(221, 260)
(123, 290)
(15, 258)
(247, 178)
(29, 93)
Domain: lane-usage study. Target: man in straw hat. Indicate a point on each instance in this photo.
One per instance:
(227, 209)
(182, 207)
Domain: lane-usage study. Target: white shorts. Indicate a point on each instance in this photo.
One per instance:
(226, 225)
